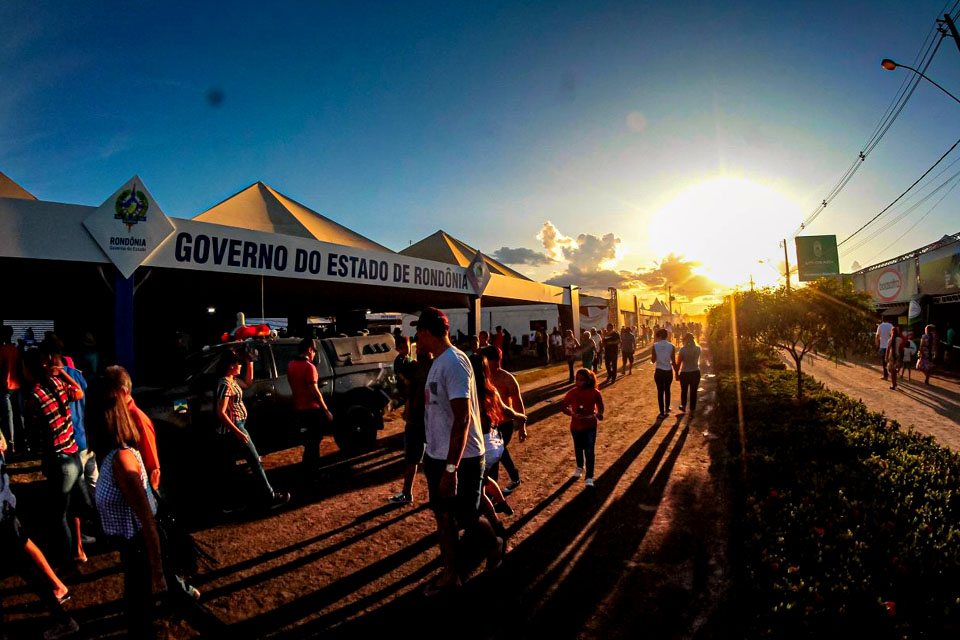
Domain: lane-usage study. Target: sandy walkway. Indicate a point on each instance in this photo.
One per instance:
(932, 410)
(641, 553)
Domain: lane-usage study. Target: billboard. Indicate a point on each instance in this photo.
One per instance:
(817, 257)
(894, 283)
(940, 270)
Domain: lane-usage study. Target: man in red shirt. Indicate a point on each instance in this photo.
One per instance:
(310, 409)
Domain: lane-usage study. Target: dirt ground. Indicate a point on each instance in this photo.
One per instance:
(932, 409)
(640, 553)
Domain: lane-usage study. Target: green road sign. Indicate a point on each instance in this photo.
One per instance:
(817, 257)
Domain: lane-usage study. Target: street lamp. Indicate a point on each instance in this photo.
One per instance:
(890, 65)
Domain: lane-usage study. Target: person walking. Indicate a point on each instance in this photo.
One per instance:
(928, 351)
(881, 339)
(128, 508)
(509, 391)
(894, 356)
(49, 417)
(454, 456)
(232, 416)
(688, 372)
(493, 411)
(611, 351)
(664, 356)
(588, 351)
(309, 408)
(598, 349)
(414, 374)
(571, 349)
(628, 345)
(22, 555)
(584, 405)
(10, 416)
(909, 352)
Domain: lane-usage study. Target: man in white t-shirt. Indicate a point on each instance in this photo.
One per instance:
(454, 456)
(883, 337)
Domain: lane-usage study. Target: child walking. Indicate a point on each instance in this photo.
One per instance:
(584, 405)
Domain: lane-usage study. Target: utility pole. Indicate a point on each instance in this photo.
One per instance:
(751, 282)
(786, 262)
(953, 29)
(670, 300)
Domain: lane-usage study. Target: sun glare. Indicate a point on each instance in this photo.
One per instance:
(727, 225)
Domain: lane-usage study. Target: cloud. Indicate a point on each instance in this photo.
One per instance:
(521, 255)
(590, 258)
(599, 279)
(676, 272)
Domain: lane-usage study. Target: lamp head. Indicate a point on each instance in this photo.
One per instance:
(888, 64)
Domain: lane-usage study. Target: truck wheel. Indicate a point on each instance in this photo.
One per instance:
(358, 429)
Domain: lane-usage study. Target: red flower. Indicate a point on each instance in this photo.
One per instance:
(774, 493)
(793, 569)
(819, 531)
(891, 608)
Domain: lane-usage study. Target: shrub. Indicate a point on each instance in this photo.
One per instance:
(844, 522)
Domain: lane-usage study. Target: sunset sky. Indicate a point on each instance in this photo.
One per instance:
(660, 141)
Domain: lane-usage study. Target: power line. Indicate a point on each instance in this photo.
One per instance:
(928, 50)
(886, 208)
(914, 225)
(876, 232)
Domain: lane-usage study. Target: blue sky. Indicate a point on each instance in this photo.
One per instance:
(486, 119)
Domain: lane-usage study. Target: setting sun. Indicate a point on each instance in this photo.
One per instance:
(727, 225)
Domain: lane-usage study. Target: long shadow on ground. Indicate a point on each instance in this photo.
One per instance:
(532, 595)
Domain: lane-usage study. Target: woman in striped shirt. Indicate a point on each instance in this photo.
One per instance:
(232, 417)
(49, 416)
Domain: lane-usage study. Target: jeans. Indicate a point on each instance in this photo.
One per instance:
(88, 462)
(689, 380)
(883, 362)
(64, 473)
(584, 443)
(249, 453)
(663, 378)
(570, 364)
(10, 416)
(311, 422)
(610, 360)
(506, 432)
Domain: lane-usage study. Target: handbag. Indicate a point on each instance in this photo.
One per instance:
(181, 553)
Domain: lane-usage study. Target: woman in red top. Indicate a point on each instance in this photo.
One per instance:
(584, 405)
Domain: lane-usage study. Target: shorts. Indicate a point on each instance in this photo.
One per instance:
(493, 448)
(414, 443)
(465, 506)
(627, 356)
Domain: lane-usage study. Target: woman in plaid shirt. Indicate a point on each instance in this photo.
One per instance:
(49, 416)
(232, 416)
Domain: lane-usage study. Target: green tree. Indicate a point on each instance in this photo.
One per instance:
(827, 315)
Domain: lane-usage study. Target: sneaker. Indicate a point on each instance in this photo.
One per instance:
(62, 630)
(578, 472)
(279, 499)
(400, 498)
(504, 508)
(510, 488)
(589, 482)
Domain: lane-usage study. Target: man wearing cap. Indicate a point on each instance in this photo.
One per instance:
(454, 458)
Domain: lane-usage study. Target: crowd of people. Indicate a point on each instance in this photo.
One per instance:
(900, 352)
(461, 410)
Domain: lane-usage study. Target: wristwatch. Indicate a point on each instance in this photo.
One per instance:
(450, 468)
